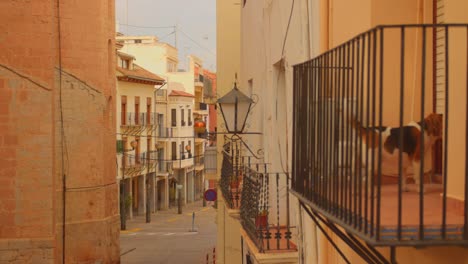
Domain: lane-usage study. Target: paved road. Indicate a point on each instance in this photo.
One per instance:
(168, 239)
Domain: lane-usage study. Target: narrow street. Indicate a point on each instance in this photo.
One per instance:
(168, 238)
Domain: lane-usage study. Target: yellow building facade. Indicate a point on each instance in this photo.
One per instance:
(270, 37)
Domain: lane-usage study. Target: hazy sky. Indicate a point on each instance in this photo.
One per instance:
(195, 18)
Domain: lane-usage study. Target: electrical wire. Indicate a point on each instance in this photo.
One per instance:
(89, 188)
(166, 36)
(62, 128)
(194, 41)
(277, 81)
(137, 26)
(287, 29)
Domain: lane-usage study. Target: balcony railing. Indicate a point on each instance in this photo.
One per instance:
(199, 160)
(201, 106)
(165, 166)
(231, 178)
(138, 119)
(165, 132)
(350, 167)
(211, 162)
(264, 209)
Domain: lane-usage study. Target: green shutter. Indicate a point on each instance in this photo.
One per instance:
(120, 147)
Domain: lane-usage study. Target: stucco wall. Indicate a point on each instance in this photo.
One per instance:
(332, 22)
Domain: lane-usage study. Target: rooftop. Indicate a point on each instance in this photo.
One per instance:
(180, 93)
(139, 74)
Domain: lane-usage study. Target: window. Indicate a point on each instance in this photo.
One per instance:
(161, 92)
(137, 151)
(171, 66)
(190, 148)
(174, 150)
(173, 117)
(182, 118)
(148, 111)
(123, 109)
(190, 117)
(137, 110)
(137, 40)
(148, 145)
(182, 150)
(125, 63)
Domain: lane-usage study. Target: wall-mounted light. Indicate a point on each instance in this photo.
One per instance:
(235, 107)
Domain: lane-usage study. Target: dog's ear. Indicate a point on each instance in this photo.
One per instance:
(433, 124)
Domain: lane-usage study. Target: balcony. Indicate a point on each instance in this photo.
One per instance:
(164, 133)
(351, 169)
(164, 167)
(199, 162)
(264, 211)
(201, 109)
(198, 81)
(161, 96)
(260, 201)
(137, 120)
(184, 162)
(211, 163)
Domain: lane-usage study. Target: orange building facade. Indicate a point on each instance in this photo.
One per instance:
(212, 111)
(57, 136)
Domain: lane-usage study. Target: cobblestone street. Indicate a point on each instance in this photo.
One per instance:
(168, 238)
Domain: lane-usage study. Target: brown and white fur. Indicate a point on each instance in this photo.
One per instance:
(411, 148)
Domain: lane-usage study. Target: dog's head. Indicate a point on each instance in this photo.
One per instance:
(433, 125)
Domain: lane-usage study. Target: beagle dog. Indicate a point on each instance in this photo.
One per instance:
(411, 147)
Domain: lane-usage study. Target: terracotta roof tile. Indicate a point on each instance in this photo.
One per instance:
(140, 74)
(180, 93)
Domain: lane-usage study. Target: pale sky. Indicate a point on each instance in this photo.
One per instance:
(195, 18)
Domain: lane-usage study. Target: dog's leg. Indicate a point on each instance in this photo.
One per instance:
(416, 174)
(404, 187)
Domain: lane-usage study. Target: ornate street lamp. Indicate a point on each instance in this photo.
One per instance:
(235, 107)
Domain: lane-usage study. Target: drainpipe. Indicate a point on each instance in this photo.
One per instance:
(309, 47)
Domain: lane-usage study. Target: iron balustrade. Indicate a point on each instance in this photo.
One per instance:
(165, 166)
(230, 181)
(135, 119)
(264, 209)
(199, 160)
(165, 132)
(388, 76)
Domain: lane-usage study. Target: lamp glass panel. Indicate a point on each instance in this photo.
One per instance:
(242, 111)
(228, 112)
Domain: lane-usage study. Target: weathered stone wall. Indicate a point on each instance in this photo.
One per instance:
(32, 89)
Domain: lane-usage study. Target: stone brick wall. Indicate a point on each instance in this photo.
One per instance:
(32, 88)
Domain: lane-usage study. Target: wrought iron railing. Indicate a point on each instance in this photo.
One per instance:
(199, 160)
(165, 166)
(165, 132)
(264, 209)
(342, 151)
(230, 181)
(138, 119)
